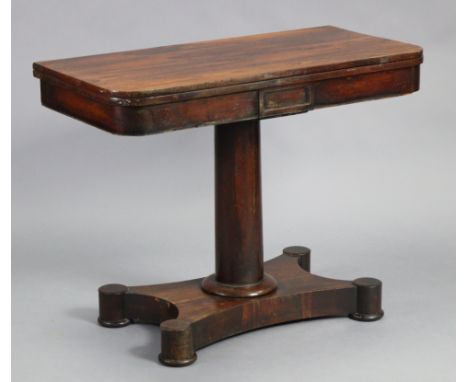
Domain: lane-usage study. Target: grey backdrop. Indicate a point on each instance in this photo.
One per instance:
(369, 187)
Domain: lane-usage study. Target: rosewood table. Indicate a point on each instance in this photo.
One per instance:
(232, 83)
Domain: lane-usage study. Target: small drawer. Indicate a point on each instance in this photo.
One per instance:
(281, 101)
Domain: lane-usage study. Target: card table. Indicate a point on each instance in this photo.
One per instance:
(232, 83)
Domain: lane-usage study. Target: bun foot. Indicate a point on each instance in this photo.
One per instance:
(302, 254)
(111, 306)
(177, 347)
(369, 300)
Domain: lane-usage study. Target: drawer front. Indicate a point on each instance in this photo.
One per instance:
(289, 100)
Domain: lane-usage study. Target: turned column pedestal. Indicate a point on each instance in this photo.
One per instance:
(239, 240)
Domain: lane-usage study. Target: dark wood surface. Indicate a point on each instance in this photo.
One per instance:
(191, 319)
(239, 244)
(238, 219)
(241, 60)
(223, 81)
(233, 83)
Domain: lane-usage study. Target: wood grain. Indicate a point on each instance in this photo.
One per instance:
(227, 81)
(134, 75)
(232, 83)
(192, 319)
(227, 108)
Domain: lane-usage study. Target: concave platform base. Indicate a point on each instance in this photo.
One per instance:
(191, 318)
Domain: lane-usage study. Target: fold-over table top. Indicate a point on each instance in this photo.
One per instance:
(239, 60)
(233, 65)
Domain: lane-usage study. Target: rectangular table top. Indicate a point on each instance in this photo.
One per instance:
(218, 68)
